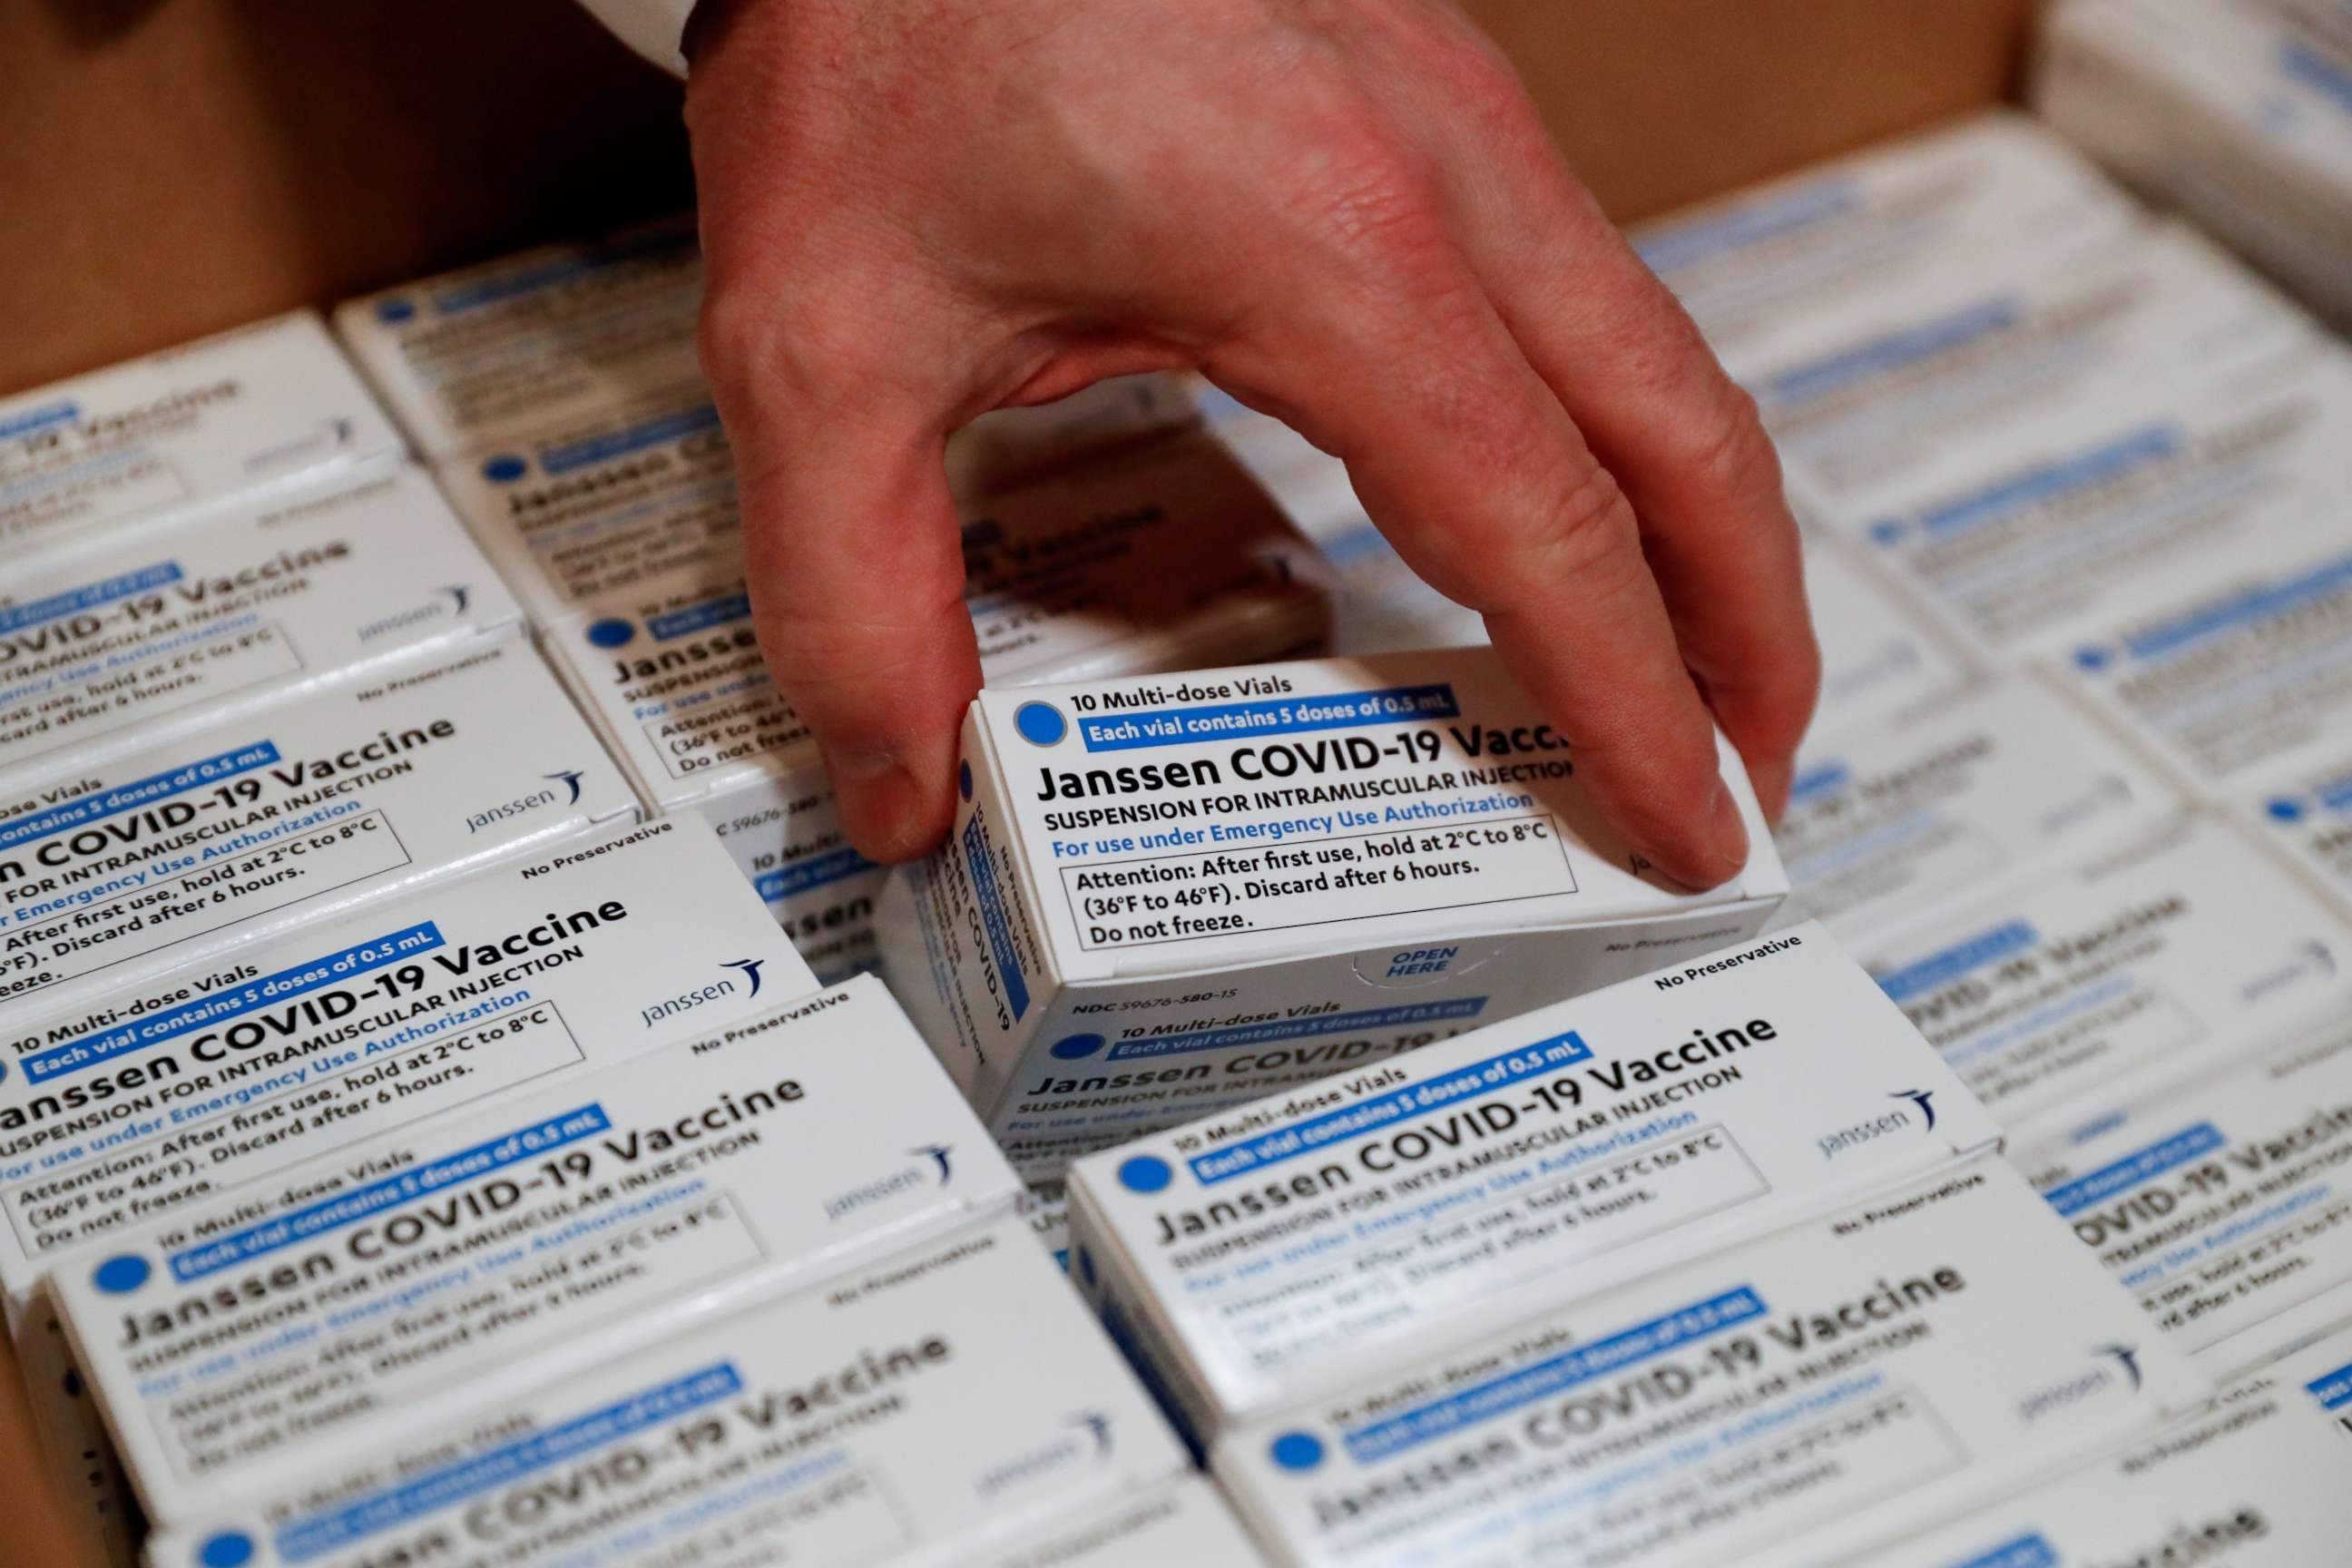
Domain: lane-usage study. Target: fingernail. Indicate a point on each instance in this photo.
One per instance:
(881, 802)
(1729, 833)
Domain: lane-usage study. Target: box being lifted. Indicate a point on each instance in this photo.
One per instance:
(174, 856)
(285, 1328)
(1299, 1246)
(943, 1399)
(1796, 1401)
(182, 433)
(1163, 895)
(1160, 556)
(200, 623)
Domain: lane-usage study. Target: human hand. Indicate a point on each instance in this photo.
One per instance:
(1345, 213)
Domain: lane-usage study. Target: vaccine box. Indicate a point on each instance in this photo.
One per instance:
(181, 433)
(2231, 112)
(1993, 192)
(538, 340)
(2221, 1206)
(2005, 782)
(951, 1398)
(179, 854)
(203, 624)
(2318, 1368)
(1882, 657)
(1164, 555)
(1167, 894)
(2062, 1002)
(1302, 1246)
(2121, 507)
(121, 1112)
(2247, 677)
(1818, 1392)
(1047, 1207)
(1913, 383)
(2305, 813)
(1185, 1525)
(286, 1327)
(2255, 1481)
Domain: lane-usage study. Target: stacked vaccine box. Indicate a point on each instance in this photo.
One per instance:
(2232, 113)
(558, 394)
(1718, 1263)
(1163, 895)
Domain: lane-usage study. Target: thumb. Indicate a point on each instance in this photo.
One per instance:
(854, 551)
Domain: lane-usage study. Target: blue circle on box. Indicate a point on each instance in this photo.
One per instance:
(395, 311)
(2284, 808)
(964, 779)
(1297, 1450)
(612, 632)
(229, 1549)
(121, 1274)
(505, 468)
(1040, 723)
(1886, 530)
(1076, 1047)
(1146, 1173)
(2093, 659)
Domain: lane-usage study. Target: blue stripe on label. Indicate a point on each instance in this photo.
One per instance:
(816, 871)
(718, 612)
(364, 1202)
(1277, 716)
(984, 888)
(2189, 1144)
(1498, 1396)
(1318, 1132)
(2333, 1390)
(435, 1489)
(1837, 372)
(1963, 957)
(41, 418)
(2315, 70)
(1827, 778)
(269, 991)
(1274, 1030)
(556, 270)
(2026, 1552)
(105, 590)
(2257, 603)
(604, 449)
(1688, 243)
(2102, 465)
(130, 797)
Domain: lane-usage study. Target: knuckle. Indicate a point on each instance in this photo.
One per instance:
(1732, 447)
(1583, 529)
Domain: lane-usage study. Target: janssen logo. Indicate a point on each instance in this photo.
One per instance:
(566, 783)
(935, 1169)
(1916, 1110)
(2114, 1369)
(743, 983)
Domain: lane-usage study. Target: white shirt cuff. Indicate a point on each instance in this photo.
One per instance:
(655, 28)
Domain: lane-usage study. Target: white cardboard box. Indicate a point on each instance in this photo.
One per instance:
(1166, 894)
(1163, 555)
(179, 854)
(2069, 999)
(293, 1327)
(2319, 1367)
(2248, 678)
(1908, 384)
(1186, 1525)
(179, 433)
(200, 623)
(1295, 1248)
(2306, 812)
(2120, 507)
(1819, 1391)
(2253, 1482)
(538, 340)
(2229, 111)
(2221, 1206)
(2007, 781)
(956, 1395)
(1992, 192)
(120, 1112)
(1881, 657)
